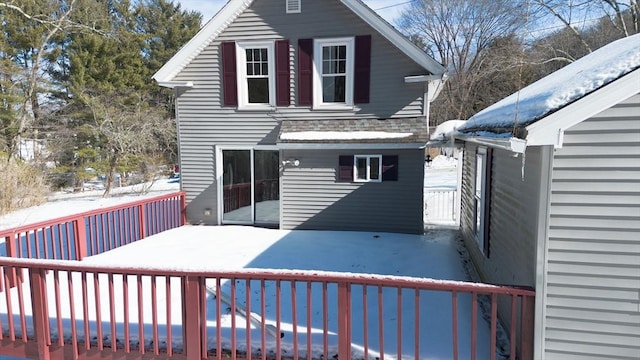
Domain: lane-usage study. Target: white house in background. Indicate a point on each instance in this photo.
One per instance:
(302, 114)
(551, 199)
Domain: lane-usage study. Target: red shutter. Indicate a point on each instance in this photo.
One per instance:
(283, 75)
(345, 168)
(229, 78)
(390, 168)
(305, 72)
(362, 75)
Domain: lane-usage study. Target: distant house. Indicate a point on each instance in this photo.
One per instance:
(551, 199)
(302, 114)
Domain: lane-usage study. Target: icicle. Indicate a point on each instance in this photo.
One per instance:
(524, 160)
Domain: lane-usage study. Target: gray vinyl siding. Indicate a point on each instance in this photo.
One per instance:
(593, 260)
(203, 122)
(312, 198)
(513, 216)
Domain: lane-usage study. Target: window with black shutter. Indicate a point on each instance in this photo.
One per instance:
(367, 168)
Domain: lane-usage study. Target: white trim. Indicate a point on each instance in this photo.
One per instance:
(318, 44)
(344, 146)
(550, 129)
(512, 144)
(294, 6)
(480, 199)
(176, 84)
(367, 178)
(421, 78)
(241, 73)
(234, 8)
(542, 249)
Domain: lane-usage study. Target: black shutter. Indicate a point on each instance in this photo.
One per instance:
(283, 76)
(390, 168)
(345, 168)
(305, 72)
(487, 202)
(229, 78)
(362, 75)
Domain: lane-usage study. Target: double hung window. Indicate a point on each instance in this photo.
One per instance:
(256, 83)
(333, 61)
(367, 168)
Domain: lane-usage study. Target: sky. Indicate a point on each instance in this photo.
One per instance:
(388, 9)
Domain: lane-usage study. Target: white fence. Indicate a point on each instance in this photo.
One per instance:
(440, 206)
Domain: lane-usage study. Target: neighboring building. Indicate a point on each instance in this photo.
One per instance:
(551, 199)
(302, 114)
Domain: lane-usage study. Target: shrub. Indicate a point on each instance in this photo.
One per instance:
(21, 185)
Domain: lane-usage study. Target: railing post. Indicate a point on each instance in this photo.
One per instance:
(40, 316)
(527, 323)
(143, 231)
(191, 308)
(80, 235)
(344, 321)
(183, 209)
(10, 247)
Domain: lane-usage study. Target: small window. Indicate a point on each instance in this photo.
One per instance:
(256, 84)
(333, 61)
(367, 168)
(294, 6)
(480, 194)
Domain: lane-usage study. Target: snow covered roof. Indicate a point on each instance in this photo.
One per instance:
(443, 132)
(228, 14)
(374, 131)
(570, 87)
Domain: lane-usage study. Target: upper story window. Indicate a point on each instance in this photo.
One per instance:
(256, 69)
(334, 72)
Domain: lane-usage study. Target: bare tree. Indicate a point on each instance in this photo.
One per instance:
(128, 129)
(458, 33)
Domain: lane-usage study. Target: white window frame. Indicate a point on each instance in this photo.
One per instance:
(318, 44)
(479, 197)
(368, 174)
(241, 66)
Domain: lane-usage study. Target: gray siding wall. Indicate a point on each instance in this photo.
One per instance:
(204, 122)
(593, 261)
(314, 199)
(513, 216)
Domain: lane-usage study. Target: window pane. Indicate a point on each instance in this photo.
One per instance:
(249, 55)
(479, 167)
(333, 88)
(256, 69)
(342, 52)
(258, 89)
(263, 54)
(361, 168)
(249, 69)
(265, 68)
(341, 66)
(374, 168)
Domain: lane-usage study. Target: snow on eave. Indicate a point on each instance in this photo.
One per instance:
(560, 89)
(342, 135)
(234, 8)
(550, 129)
(218, 23)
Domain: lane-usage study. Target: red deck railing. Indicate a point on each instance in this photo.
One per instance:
(89, 233)
(66, 310)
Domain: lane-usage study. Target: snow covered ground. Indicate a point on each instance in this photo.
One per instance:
(62, 204)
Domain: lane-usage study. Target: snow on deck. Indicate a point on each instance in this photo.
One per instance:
(433, 255)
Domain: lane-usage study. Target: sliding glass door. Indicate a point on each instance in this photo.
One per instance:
(250, 187)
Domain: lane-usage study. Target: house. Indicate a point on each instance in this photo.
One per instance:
(302, 114)
(551, 199)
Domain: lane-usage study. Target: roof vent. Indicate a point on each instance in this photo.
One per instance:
(294, 6)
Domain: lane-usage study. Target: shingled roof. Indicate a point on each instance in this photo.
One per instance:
(356, 131)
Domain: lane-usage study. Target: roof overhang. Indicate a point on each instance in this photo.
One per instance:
(234, 8)
(176, 84)
(550, 129)
(351, 146)
(512, 144)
